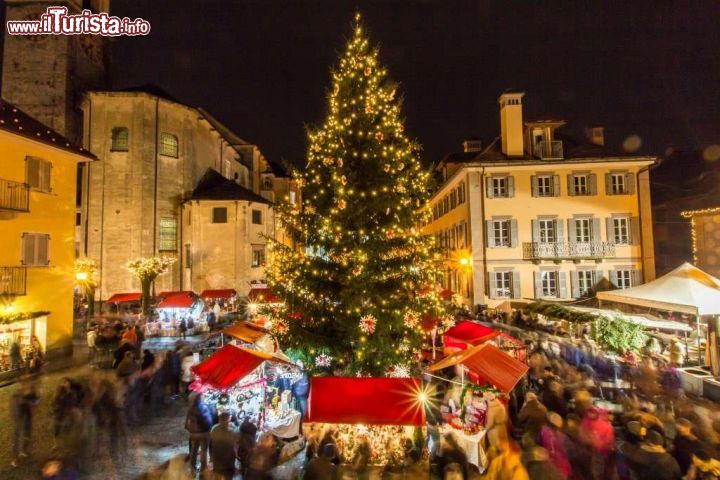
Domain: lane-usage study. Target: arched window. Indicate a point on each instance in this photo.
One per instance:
(120, 139)
(168, 145)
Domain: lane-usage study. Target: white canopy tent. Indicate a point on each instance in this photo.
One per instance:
(686, 289)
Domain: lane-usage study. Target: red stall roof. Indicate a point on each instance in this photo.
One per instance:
(246, 331)
(372, 401)
(468, 333)
(490, 363)
(184, 299)
(219, 293)
(124, 298)
(262, 295)
(230, 364)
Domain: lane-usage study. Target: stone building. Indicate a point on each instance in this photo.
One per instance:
(224, 233)
(155, 154)
(536, 214)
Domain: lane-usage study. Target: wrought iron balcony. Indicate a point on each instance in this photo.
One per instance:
(570, 250)
(548, 150)
(13, 280)
(14, 196)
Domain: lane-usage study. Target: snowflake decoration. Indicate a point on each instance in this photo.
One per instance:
(341, 204)
(279, 326)
(411, 319)
(368, 324)
(340, 162)
(398, 371)
(323, 360)
(447, 322)
(328, 161)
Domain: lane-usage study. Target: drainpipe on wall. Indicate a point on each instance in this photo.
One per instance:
(155, 185)
(483, 224)
(640, 216)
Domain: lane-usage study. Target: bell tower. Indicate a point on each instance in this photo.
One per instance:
(46, 75)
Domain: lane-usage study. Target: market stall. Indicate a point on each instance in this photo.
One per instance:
(173, 307)
(466, 333)
(238, 380)
(17, 350)
(385, 411)
(251, 334)
(492, 371)
(218, 301)
(124, 300)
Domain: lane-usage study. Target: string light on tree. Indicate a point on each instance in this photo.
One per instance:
(364, 192)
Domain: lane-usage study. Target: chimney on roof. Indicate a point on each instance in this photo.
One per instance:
(595, 135)
(472, 145)
(511, 123)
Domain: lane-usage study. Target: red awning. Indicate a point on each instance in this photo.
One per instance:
(262, 295)
(176, 300)
(373, 401)
(124, 298)
(220, 293)
(446, 293)
(230, 364)
(488, 362)
(468, 333)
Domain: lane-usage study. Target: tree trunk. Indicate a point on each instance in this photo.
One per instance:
(146, 284)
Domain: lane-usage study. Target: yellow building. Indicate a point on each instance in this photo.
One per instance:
(536, 215)
(705, 231)
(37, 218)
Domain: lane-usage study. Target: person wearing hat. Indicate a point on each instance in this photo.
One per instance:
(627, 449)
(652, 461)
(532, 415)
(553, 440)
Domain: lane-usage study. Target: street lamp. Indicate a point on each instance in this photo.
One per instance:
(81, 276)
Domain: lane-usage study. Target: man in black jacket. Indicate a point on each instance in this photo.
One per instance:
(198, 424)
(652, 461)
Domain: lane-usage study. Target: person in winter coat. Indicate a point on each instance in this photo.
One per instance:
(24, 401)
(198, 423)
(703, 467)
(248, 430)
(553, 440)
(597, 433)
(183, 328)
(321, 467)
(539, 466)
(532, 415)
(224, 440)
(496, 420)
(652, 461)
(507, 465)
(300, 391)
(685, 444)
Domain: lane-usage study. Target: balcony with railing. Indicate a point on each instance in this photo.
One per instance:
(548, 149)
(13, 280)
(570, 250)
(14, 196)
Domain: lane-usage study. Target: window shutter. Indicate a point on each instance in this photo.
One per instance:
(575, 284)
(513, 233)
(516, 292)
(28, 249)
(46, 176)
(511, 186)
(534, 185)
(595, 233)
(535, 231)
(592, 183)
(630, 183)
(572, 234)
(597, 277)
(608, 184)
(571, 185)
(556, 185)
(612, 275)
(637, 277)
(490, 234)
(610, 227)
(33, 172)
(562, 282)
(560, 231)
(43, 249)
(538, 285)
(492, 283)
(488, 188)
(635, 231)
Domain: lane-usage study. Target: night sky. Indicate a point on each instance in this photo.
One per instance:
(646, 68)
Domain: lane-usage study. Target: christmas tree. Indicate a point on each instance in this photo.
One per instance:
(353, 282)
